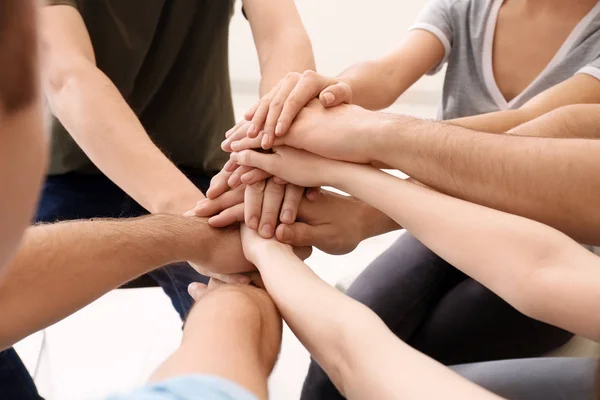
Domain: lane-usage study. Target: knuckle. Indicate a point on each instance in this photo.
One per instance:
(258, 186)
(275, 104)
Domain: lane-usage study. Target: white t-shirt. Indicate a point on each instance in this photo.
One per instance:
(467, 28)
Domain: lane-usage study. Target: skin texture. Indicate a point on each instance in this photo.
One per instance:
(561, 277)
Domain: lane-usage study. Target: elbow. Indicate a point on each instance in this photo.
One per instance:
(59, 80)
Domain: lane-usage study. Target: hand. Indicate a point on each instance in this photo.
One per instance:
(333, 223)
(254, 245)
(295, 166)
(276, 111)
(223, 258)
(261, 205)
(343, 133)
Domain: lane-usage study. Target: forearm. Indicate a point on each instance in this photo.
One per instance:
(358, 352)
(243, 328)
(103, 125)
(495, 122)
(60, 268)
(290, 52)
(370, 83)
(516, 175)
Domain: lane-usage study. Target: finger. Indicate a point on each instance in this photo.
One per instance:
(250, 113)
(196, 290)
(220, 279)
(276, 106)
(235, 179)
(218, 184)
(253, 199)
(208, 207)
(260, 115)
(263, 161)
(303, 252)
(237, 134)
(270, 209)
(228, 217)
(307, 89)
(279, 180)
(312, 194)
(298, 234)
(256, 175)
(235, 128)
(291, 203)
(336, 94)
(229, 166)
(246, 143)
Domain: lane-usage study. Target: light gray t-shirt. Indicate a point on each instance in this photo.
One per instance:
(467, 27)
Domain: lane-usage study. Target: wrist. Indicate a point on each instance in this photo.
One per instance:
(265, 254)
(178, 204)
(375, 222)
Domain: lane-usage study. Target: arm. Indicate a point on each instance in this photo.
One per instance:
(23, 151)
(537, 269)
(378, 84)
(513, 174)
(93, 111)
(362, 357)
(281, 41)
(62, 267)
(580, 89)
(244, 329)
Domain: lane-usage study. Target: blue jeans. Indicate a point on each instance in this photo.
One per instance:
(78, 196)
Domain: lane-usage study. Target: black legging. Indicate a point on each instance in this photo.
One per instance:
(441, 312)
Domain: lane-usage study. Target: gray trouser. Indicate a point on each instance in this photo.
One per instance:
(536, 378)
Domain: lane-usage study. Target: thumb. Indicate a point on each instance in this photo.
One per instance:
(335, 95)
(298, 234)
(197, 290)
(251, 158)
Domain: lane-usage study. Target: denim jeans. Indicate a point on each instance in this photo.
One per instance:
(79, 196)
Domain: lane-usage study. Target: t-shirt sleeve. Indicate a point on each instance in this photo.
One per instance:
(436, 19)
(71, 3)
(592, 69)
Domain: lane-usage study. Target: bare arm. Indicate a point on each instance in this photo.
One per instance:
(243, 327)
(23, 151)
(580, 89)
(358, 352)
(93, 111)
(537, 269)
(281, 41)
(60, 268)
(377, 84)
(514, 174)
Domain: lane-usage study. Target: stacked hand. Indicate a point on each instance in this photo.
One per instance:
(266, 190)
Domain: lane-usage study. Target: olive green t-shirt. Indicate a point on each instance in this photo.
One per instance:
(169, 60)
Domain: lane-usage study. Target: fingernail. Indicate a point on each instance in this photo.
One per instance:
(253, 223)
(265, 141)
(233, 180)
(224, 144)
(234, 156)
(286, 235)
(329, 98)
(228, 133)
(242, 279)
(247, 177)
(287, 216)
(266, 231)
(251, 129)
(279, 128)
